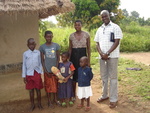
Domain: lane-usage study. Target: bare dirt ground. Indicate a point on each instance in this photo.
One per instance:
(15, 99)
(141, 57)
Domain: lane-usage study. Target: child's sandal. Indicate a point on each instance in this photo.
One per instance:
(87, 108)
(70, 103)
(58, 103)
(80, 106)
(64, 104)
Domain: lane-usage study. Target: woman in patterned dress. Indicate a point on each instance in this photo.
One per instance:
(79, 46)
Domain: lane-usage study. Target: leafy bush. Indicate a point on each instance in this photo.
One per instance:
(135, 38)
(61, 36)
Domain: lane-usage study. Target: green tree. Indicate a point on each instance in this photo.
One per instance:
(141, 21)
(42, 29)
(147, 22)
(135, 14)
(85, 11)
(49, 24)
(88, 10)
(125, 12)
(132, 18)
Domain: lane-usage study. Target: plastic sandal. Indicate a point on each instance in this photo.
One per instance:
(102, 99)
(70, 103)
(64, 104)
(87, 108)
(80, 106)
(58, 103)
(113, 104)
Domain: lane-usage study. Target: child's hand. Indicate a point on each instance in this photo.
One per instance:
(66, 79)
(25, 81)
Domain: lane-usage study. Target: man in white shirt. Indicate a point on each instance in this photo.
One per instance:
(107, 40)
(31, 72)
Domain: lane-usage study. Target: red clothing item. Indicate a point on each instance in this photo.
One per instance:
(72, 68)
(50, 84)
(34, 81)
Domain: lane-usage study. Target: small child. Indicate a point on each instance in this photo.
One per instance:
(31, 72)
(50, 57)
(65, 90)
(85, 75)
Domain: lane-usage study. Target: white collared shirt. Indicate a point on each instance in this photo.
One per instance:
(103, 37)
(31, 62)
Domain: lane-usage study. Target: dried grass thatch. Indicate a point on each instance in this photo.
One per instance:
(44, 8)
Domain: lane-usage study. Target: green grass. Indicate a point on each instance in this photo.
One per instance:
(135, 82)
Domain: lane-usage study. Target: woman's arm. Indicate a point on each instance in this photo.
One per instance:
(70, 48)
(88, 50)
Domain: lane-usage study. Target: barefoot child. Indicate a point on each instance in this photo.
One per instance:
(85, 75)
(31, 72)
(50, 57)
(65, 90)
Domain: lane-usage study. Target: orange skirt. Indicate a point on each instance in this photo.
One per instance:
(50, 84)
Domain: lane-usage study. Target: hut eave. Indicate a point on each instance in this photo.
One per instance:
(44, 8)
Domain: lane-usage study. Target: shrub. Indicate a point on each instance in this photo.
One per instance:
(135, 38)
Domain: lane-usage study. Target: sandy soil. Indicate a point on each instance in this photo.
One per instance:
(141, 57)
(14, 98)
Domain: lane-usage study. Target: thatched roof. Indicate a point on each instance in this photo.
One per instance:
(44, 8)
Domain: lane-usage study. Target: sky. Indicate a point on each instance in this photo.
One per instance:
(141, 6)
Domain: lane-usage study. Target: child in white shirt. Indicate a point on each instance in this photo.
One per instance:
(31, 72)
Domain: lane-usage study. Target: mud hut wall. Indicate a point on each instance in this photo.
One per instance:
(14, 32)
